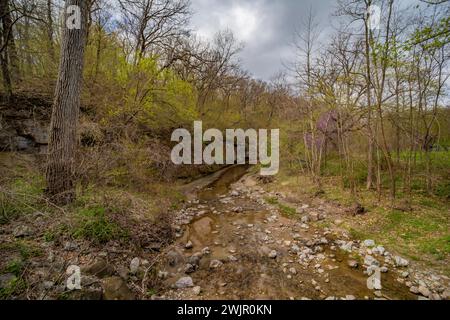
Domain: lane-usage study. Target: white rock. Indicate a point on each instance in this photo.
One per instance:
(347, 246)
(369, 243)
(196, 290)
(374, 281)
(370, 261)
(400, 262)
(424, 291)
(215, 264)
(273, 254)
(134, 265)
(379, 250)
(185, 282)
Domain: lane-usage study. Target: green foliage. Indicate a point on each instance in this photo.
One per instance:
(17, 266)
(154, 97)
(442, 189)
(434, 36)
(439, 247)
(272, 201)
(95, 225)
(287, 210)
(25, 249)
(12, 288)
(23, 196)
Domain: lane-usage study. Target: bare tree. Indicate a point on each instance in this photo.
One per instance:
(306, 45)
(153, 24)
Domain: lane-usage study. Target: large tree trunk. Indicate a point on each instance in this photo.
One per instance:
(63, 127)
(8, 38)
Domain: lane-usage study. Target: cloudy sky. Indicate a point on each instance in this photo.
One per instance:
(265, 26)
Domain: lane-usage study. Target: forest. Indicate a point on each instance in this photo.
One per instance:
(93, 207)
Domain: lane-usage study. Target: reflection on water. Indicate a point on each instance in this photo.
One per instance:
(221, 185)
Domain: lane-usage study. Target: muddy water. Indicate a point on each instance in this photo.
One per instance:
(221, 185)
(242, 241)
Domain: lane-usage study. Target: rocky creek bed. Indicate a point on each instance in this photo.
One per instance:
(230, 243)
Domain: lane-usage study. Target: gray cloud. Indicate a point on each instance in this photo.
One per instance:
(265, 26)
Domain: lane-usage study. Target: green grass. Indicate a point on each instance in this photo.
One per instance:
(439, 247)
(25, 249)
(272, 200)
(358, 234)
(16, 266)
(23, 196)
(94, 224)
(285, 209)
(418, 234)
(13, 288)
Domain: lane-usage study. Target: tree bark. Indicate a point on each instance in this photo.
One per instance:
(4, 59)
(63, 128)
(51, 47)
(8, 38)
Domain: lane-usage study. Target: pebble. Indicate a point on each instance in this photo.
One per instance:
(70, 246)
(414, 290)
(378, 294)
(134, 265)
(22, 231)
(189, 245)
(424, 291)
(189, 268)
(370, 261)
(369, 243)
(273, 254)
(215, 264)
(196, 290)
(353, 264)
(185, 282)
(400, 262)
